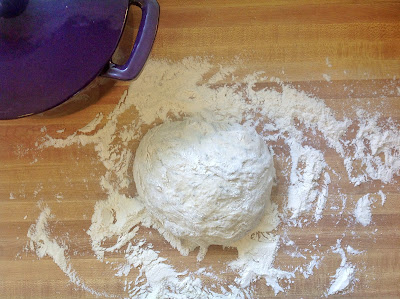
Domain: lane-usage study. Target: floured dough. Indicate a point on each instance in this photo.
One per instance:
(206, 183)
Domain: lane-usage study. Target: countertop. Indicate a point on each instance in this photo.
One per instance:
(356, 43)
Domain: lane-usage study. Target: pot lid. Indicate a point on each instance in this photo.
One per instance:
(49, 50)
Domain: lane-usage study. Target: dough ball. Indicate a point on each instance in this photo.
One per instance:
(206, 183)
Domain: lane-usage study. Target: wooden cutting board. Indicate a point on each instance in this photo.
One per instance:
(356, 43)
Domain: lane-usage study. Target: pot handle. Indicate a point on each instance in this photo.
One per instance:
(143, 43)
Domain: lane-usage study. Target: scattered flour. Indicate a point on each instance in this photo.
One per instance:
(326, 77)
(362, 212)
(303, 186)
(376, 149)
(342, 278)
(91, 125)
(383, 196)
(328, 63)
(314, 263)
(344, 274)
(285, 118)
(353, 251)
(44, 245)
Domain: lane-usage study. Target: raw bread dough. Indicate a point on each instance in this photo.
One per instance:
(206, 183)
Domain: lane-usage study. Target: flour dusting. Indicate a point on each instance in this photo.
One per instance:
(344, 274)
(301, 131)
(44, 245)
(362, 212)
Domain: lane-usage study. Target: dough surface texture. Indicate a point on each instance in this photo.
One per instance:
(207, 183)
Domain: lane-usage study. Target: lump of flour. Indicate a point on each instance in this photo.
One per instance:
(204, 182)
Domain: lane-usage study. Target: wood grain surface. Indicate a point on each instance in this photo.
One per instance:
(285, 38)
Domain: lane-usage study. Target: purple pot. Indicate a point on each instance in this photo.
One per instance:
(50, 50)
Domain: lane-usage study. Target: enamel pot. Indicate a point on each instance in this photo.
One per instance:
(52, 49)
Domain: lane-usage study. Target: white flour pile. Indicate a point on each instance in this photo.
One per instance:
(298, 129)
